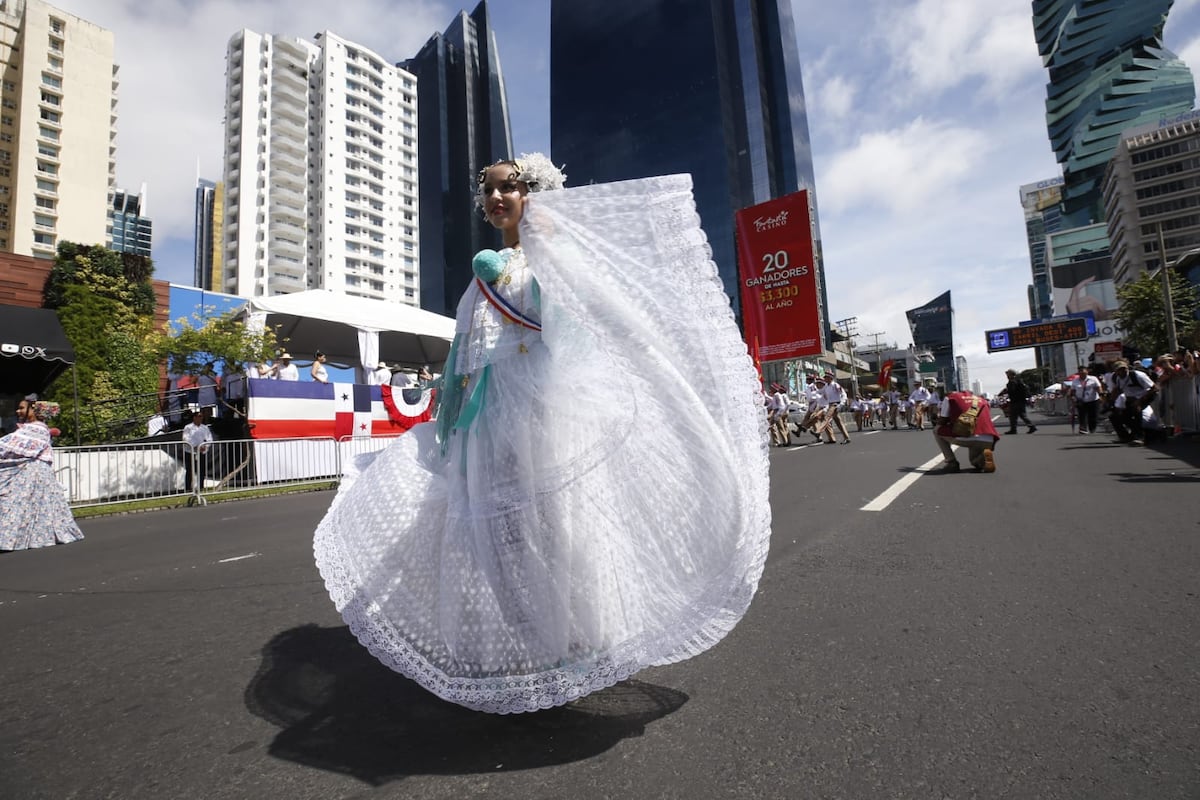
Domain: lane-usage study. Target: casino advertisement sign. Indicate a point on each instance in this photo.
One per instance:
(777, 270)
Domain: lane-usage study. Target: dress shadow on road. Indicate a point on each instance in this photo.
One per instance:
(342, 710)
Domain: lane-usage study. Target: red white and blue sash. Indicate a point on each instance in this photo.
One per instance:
(507, 309)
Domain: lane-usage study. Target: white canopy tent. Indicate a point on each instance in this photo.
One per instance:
(354, 330)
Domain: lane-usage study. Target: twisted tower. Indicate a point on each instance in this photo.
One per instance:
(1108, 71)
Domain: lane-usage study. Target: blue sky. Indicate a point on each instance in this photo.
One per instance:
(926, 116)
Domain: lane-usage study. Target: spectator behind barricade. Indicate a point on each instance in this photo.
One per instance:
(285, 370)
(964, 419)
(267, 370)
(382, 375)
(189, 390)
(318, 371)
(1086, 391)
(196, 439)
(1130, 391)
(424, 376)
(156, 424)
(208, 391)
(233, 390)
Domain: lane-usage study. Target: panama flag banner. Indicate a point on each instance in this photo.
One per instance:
(778, 276)
(351, 410)
(303, 409)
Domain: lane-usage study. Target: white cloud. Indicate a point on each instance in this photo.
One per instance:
(902, 170)
(834, 98)
(172, 70)
(940, 44)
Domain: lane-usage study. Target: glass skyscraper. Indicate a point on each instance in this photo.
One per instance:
(132, 231)
(462, 126)
(1108, 72)
(210, 212)
(653, 87)
(932, 327)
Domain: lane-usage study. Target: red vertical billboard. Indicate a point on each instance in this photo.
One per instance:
(780, 305)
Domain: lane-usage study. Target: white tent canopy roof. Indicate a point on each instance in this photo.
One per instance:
(354, 330)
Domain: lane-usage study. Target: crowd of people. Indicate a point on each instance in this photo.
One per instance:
(819, 409)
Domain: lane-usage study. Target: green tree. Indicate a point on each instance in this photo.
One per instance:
(1142, 312)
(105, 302)
(222, 339)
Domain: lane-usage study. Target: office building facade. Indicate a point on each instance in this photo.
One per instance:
(207, 264)
(1152, 187)
(320, 170)
(719, 95)
(1043, 216)
(1108, 72)
(464, 125)
(130, 230)
(932, 328)
(58, 113)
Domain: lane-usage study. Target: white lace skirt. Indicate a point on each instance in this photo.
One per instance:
(606, 511)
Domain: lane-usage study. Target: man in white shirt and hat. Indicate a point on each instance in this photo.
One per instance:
(382, 376)
(285, 369)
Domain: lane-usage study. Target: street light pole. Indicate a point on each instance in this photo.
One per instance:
(1168, 302)
(846, 325)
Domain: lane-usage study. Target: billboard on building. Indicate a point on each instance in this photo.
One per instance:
(776, 269)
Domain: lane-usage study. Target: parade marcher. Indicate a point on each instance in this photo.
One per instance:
(1018, 396)
(33, 509)
(918, 399)
(814, 402)
(835, 401)
(932, 405)
(777, 416)
(1129, 391)
(1085, 393)
(522, 551)
(965, 419)
(894, 400)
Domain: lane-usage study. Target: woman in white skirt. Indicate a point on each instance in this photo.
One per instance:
(33, 509)
(592, 498)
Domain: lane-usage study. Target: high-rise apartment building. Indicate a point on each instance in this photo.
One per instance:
(1108, 72)
(210, 212)
(131, 231)
(1152, 186)
(651, 87)
(464, 125)
(58, 113)
(320, 170)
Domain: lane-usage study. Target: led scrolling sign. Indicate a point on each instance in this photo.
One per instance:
(1044, 333)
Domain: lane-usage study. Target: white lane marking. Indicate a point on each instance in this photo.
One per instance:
(868, 433)
(896, 489)
(238, 558)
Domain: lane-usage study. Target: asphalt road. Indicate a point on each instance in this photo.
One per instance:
(1028, 634)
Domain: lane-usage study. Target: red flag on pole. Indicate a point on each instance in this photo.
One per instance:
(885, 375)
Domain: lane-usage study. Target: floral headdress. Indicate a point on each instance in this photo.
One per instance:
(45, 409)
(535, 170)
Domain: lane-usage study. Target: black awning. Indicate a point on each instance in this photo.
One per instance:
(34, 350)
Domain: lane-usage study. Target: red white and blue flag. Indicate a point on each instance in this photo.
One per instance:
(301, 409)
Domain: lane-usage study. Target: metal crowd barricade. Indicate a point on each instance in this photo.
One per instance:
(1182, 398)
(106, 474)
(102, 474)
